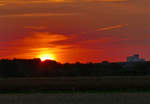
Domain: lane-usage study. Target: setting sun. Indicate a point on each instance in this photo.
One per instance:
(44, 57)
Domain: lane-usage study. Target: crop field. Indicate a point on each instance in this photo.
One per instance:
(103, 98)
(73, 84)
(76, 83)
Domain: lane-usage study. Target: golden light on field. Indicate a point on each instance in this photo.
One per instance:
(44, 57)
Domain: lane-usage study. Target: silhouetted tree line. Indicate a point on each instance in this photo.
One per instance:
(49, 68)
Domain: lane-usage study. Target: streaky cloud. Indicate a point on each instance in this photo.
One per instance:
(35, 27)
(54, 1)
(37, 15)
(112, 27)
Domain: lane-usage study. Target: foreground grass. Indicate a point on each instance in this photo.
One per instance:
(138, 84)
(73, 91)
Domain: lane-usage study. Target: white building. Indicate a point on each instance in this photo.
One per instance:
(135, 58)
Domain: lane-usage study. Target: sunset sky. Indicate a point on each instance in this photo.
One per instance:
(75, 30)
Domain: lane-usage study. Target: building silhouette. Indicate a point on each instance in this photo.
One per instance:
(135, 58)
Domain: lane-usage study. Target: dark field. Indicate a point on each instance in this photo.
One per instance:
(76, 90)
(103, 98)
(76, 83)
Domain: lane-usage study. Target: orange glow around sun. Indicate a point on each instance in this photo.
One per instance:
(44, 57)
